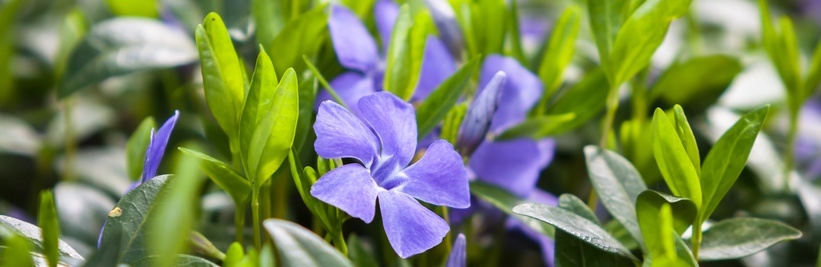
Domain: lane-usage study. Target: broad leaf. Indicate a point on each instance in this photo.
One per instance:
(559, 50)
(10, 226)
(505, 202)
(685, 134)
(50, 226)
(571, 251)
(298, 246)
(696, 79)
(221, 174)
(125, 45)
(673, 161)
(136, 147)
(540, 127)
(258, 102)
(442, 99)
(302, 35)
(740, 237)
(727, 158)
(274, 134)
(359, 254)
(606, 17)
(618, 184)
(649, 204)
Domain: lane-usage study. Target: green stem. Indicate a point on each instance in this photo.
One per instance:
(339, 241)
(239, 222)
(71, 144)
(612, 107)
(255, 215)
(695, 242)
(789, 154)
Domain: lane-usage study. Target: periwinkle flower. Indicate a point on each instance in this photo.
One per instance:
(382, 141)
(546, 244)
(476, 123)
(458, 255)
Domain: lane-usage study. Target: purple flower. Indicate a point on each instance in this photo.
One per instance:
(476, 123)
(547, 244)
(458, 255)
(383, 141)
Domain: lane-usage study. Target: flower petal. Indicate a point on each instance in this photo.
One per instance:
(437, 65)
(156, 147)
(350, 86)
(445, 19)
(340, 134)
(547, 245)
(411, 228)
(439, 177)
(385, 14)
(353, 44)
(522, 90)
(513, 165)
(394, 122)
(349, 188)
(458, 255)
(477, 120)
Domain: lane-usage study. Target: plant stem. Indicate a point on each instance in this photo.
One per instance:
(789, 153)
(609, 117)
(695, 242)
(339, 241)
(255, 215)
(239, 222)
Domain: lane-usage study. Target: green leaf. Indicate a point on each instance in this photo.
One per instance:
(121, 46)
(269, 19)
(649, 203)
(618, 185)
(10, 226)
(505, 202)
(136, 147)
(47, 220)
(585, 99)
(437, 105)
(490, 25)
(574, 252)
(665, 246)
(8, 14)
(789, 59)
(221, 174)
(640, 35)
(813, 74)
(673, 161)
(302, 35)
(222, 76)
(179, 260)
(727, 159)
(258, 102)
(134, 8)
(740, 237)
(685, 134)
(576, 225)
(606, 17)
(540, 127)
(452, 122)
(307, 98)
(559, 50)
(298, 246)
(234, 255)
(274, 134)
(404, 57)
(16, 252)
(359, 254)
(696, 79)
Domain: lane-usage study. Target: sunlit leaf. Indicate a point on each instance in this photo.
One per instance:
(739, 237)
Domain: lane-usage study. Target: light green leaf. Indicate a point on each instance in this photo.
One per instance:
(221, 74)
(571, 251)
(649, 203)
(302, 35)
(576, 225)
(452, 121)
(673, 161)
(47, 220)
(134, 8)
(789, 66)
(559, 50)
(585, 99)
(404, 57)
(136, 147)
(16, 251)
(274, 134)
(540, 127)
(696, 79)
(740, 237)
(505, 202)
(258, 102)
(10, 226)
(606, 17)
(298, 246)
(490, 23)
(727, 158)
(221, 174)
(269, 19)
(685, 134)
(121, 46)
(437, 105)
(618, 184)
(665, 246)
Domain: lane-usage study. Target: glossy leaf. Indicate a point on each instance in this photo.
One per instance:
(571, 251)
(443, 98)
(50, 226)
(10, 226)
(258, 102)
(404, 57)
(618, 185)
(136, 147)
(673, 161)
(302, 35)
(298, 246)
(125, 45)
(559, 50)
(540, 127)
(359, 254)
(221, 174)
(274, 134)
(505, 202)
(739, 237)
(576, 225)
(727, 159)
(221, 74)
(685, 134)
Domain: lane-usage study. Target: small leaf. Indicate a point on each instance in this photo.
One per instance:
(121, 46)
(685, 134)
(47, 220)
(16, 251)
(673, 161)
(298, 246)
(606, 17)
(11, 226)
(505, 202)
(540, 127)
(696, 79)
(574, 252)
(404, 57)
(221, 174)
(813, 74)
(618, 184)
(302, 35)
(740, 237)
(258, 102)
(452, 123)
(727, 159)
(307, 98)
(559, 50)
(576, 225)
(585, 99)
(274, 134)
(442, 99)
(136, 147)
(649, 204)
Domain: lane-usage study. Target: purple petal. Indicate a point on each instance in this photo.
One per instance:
(521, 91)
(437, 65)
(546, 244)
(385, 13)
(458, 255)
(340, 134)
(394, 122)
(512, 165)
(439, 177)
(156, 147)
(353, 44)
(350, 86)
(349, 188)
(477, 120)
(411, 228)
(445, 19)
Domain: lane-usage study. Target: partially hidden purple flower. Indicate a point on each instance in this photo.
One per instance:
(382, 141)
(358, 52)
(546, 244)
(458, 255)
(476, 123)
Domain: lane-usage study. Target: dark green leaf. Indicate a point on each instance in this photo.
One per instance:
(696, 78)
(673, 161)
(274, 134)
(540, 127)
(505, 202)
(618, 184)
(739, 237)
(221, 173)
(47, 220)
(727, 159)
(559, 50)
(359, 255)
(7, 46)
(307, 98)
(136, 146)
(571, 251)
(585, 99)
(442, 99)
(302, 35)
(298, 246)
(125, 45)
(10, 226)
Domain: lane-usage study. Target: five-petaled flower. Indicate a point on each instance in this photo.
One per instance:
(383, 142)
